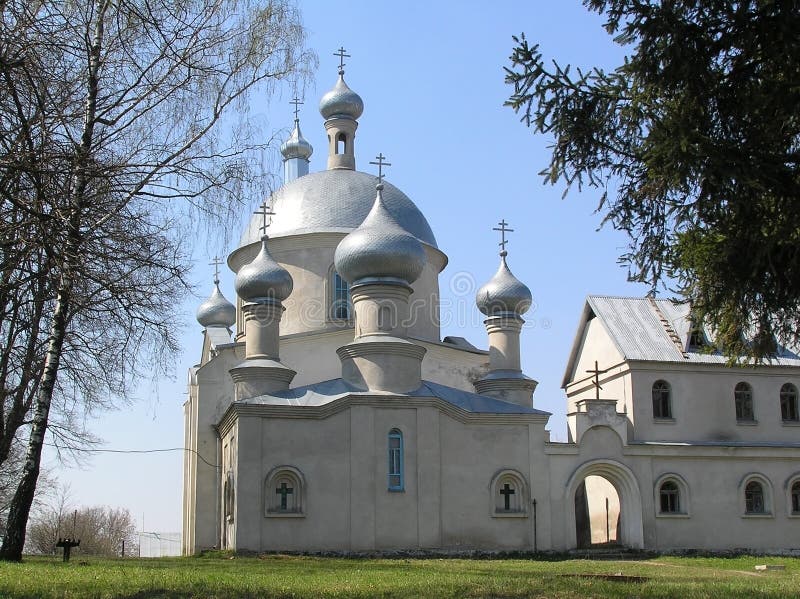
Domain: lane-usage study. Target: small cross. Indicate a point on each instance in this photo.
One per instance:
(297, 102)
(380, 162)
(507, 492)
(284, 492)
(596, 382)
(265, 211)
(215, 263)
(503, 230)
(341, 54)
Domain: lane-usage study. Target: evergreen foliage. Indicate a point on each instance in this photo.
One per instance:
(694, 144)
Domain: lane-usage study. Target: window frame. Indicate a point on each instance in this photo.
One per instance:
(395, 461)
(664, 401)
(339, 297)
(683, 496)
(743, 397)
(789, 396)
(792, 488)
(765, 486)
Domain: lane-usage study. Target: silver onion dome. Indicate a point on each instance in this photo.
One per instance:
(379, 248)
(263, 278)
(216, 311)
(504, 293)
(341, 102)
(296, 146)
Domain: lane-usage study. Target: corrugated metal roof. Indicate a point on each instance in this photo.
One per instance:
(635, 326)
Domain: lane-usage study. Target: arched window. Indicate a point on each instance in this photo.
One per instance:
(795, 493)
(341, 143)
(340, 300)
(669, 497)
(509, 494)
(743, 396)
(754, 498)
(672, 498)
(228, 497)
(662, 404)
(284, 491)
(789, 402)
(396, 482)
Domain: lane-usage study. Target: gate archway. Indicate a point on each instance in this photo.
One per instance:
(629, 530)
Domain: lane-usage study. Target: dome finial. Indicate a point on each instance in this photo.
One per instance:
(216, 311)
(265, 211)
(503, 230)
(504, 293)
(297, 102)
(215, 262)
(263, 279)
(296, 150)
(380, 162)
(380, 248)
(341, 54)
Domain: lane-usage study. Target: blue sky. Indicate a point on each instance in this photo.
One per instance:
(431, 77)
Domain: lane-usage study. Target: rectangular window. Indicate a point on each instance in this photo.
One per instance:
(341, 298)
(395, 460)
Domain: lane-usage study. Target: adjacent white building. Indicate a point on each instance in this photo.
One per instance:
(326, 413)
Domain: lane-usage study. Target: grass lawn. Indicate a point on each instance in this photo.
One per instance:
(307, 577)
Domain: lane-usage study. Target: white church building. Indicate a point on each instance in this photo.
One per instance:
(326, 412)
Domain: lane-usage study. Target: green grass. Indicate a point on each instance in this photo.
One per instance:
(308, 577)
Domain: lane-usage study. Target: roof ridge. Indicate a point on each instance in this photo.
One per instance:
(673, 335)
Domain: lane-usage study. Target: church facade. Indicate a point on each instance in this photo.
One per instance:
(327, 414)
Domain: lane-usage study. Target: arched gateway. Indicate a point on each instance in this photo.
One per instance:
(630, 521)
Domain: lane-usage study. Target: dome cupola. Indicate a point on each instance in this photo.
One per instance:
(296, 146)
(341, 108)
(263, 279)
(504, 293)
(380, 249)
(216, 311)
(341, 102)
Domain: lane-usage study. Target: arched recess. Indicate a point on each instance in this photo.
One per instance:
(508, 495)
(284, 493)
(630, 498)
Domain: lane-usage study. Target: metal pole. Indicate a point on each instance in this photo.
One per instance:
(535, 548)
(608, 527)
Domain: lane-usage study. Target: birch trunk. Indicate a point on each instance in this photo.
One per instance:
(14, 541)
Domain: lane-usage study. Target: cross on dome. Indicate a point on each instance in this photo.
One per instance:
(503, 230)
(297, 102)
(380, 164)
(265, 211)
(215, 262)
(341, 54)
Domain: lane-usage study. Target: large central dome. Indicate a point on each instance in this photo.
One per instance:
(335, 201)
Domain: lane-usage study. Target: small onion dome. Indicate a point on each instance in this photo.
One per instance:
(263, 278)
(341, 102)
(379, 248)
(296, 146)
(216, 311)
(503, 293)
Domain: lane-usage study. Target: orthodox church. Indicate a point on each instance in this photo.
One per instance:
(327, 413)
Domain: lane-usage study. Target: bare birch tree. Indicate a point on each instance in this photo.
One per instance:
(119, 122)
